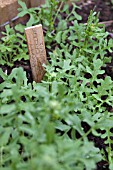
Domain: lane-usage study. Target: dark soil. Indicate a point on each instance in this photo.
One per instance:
(105, 8)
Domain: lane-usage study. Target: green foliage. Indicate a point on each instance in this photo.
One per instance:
(13, 43)
(28, 127)
(13, 46)
(43, 126)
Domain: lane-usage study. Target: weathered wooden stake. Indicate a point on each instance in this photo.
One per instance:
(36, 46)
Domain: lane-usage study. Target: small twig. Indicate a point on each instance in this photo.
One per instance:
(58, 11)
(110, 34)
(106, 23)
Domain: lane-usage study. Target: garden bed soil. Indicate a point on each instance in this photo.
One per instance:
(105, 8)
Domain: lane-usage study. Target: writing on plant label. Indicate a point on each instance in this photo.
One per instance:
(37, 52)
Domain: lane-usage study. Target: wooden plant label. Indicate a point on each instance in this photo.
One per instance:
(37, 52)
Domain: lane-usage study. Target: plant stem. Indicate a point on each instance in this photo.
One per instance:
(58, 11)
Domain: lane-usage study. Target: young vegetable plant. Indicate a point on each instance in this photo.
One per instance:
(13, 46)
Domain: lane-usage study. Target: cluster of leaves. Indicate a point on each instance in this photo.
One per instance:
(30, 118)
(13, 43)
(43, 126)
(13, 46)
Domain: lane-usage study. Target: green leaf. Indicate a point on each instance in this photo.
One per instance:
(66, 65)
(62, 25)
(31, 21)
(7, 109)
(22, 13)
(20, 28)
(22, 4)
(4, 136)
(3, 75)
(58, 37)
